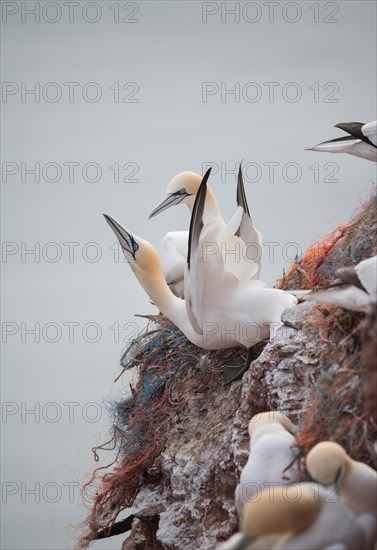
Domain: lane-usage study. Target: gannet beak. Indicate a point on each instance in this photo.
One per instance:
(125, 238)
(169, 200)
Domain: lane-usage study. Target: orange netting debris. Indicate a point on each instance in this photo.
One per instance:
(318, 264)
(343, 406)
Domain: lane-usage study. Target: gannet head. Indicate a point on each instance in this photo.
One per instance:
(264, 419)
(139, 253)
(290, 508)
(145, 264)
(326, 462)
(181, 189)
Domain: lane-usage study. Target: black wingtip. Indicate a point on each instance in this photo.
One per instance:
(355, 130)
(206, 176)
(241, 195)
(349, 275)
(196, 222)
(347, 125)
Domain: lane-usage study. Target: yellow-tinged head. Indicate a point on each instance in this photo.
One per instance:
(143, 260)
(189, 181)
(182, 189)
(270, 417)
(327, 461)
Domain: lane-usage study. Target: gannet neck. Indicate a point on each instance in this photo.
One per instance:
(148, 271)
(211, 208)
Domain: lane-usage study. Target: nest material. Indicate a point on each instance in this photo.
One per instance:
(343, 407)
(347, 245)
(172, 372)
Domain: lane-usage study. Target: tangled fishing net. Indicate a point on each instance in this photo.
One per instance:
(347, 245)
(170, 370)
(343, 405)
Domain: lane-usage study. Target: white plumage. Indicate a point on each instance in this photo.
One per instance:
(182, 189)
(221, 309)
(304, 516)
(227, 298)
(328, 462)
(356, 288)
(361, 141)
(272, 457)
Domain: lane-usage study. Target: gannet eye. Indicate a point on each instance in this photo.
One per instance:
(182, 191)
(135, 246)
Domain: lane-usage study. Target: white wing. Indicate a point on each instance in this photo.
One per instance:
(370, 131)
(367, 273)
(339, 145)
(206, 277)
(350, 298)
(251, 237)
(173, 258)
(233, 248)
(208, 280)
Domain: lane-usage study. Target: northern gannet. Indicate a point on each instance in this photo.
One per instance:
(328, 462)
(224, 298)
(356, 288)
(271, 457)
(361, 141)
(182, 189)
(145, 264)
(220, 312)
(304, 516)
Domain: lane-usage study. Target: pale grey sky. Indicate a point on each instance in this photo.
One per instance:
(180, 61)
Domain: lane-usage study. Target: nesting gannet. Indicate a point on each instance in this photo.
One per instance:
(271, 457)
(361, 141)
(306, 516)
(356, 288)
(220, 313)
(182, 189)
(218, 298)
(328, 462)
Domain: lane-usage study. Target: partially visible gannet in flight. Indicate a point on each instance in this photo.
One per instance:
(222, 312)
(356, 288)
(271, 459)
(182, 189)
(328, 462)
(304, 516)
(361, 141)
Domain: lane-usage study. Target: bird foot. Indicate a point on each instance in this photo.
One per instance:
(231, 373)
